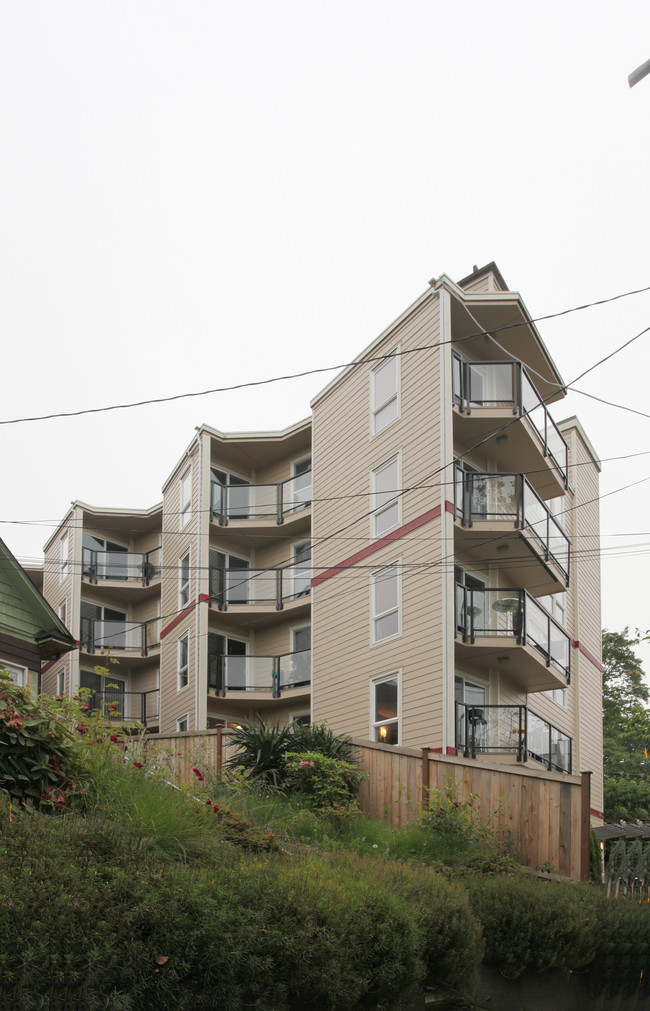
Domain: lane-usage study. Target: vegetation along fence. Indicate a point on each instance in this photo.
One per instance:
(546, 813)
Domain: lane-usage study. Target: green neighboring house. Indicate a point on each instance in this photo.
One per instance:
(30, 631)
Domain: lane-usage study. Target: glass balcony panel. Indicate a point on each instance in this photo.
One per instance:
(558, 544)
(297, 492)
(529, 395)
(560, 751)
(557, 447)
(490, 384)
(535, 514)
(538, 739)
(560, 649)
(295, 669)
(493, 496)
(262, 502)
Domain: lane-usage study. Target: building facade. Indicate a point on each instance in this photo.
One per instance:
(417, 564)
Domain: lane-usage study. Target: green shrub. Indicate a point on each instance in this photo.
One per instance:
(39, 763)
(318, 737)
(261, 750)
(327, 784)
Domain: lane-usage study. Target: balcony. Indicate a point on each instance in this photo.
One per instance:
(529, 543)
(122, 706)
(265, 674)
(121, 568)
(240, 591)
(511, 730)
(129, 638)
(509, 627)
(249, 505)
(486, 396)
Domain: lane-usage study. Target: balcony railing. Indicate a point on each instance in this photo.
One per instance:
(273, 674)
(120, 706)
(510, 497)
(260, 501)
(122, 566)
(259, 587)
(508, 385)
(512, 614)
(98, 635)
(517, 730)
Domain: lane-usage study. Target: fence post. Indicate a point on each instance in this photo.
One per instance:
(219, 750)
(425, 779)
(585, 824)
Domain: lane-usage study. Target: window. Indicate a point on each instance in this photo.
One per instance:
(184, 580)
(186, 497)
(183, 661)
(385, 705)
(230, 496)
(17, 674)
(557, 695)
(385, 400)
(63, 611)
(182, 724)
(301, 575)
(63, 557)
(60, 682)
(385, 603)
(385, 482)
(298, 492)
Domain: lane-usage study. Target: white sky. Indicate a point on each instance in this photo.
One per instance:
(198, 194)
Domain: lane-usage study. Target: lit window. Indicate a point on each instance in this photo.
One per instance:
(385, 400)
(64, 549)
(186, 497)
(385, 603)
(385, 481)
(184, 580)
(183, 661)
(385, 709)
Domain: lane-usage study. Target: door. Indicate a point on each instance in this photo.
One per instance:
(471, 714)
(471, 616)
(301, 582)
(301, 485)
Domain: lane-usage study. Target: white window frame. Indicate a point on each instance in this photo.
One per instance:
(299, 569)
(558, 696)
(183, 719)
(375, 616)
(60, 682)
(376, 407)
(64, 556)
(387, 503)
(63, 611)
(184, 585)
(18, 674)
(182, 670)
(376, 724)
(185, 497)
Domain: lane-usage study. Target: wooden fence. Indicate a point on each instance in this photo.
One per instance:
(546, 813)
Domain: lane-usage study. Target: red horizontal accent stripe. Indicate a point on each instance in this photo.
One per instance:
(597, 814)
(450, 507)
(451, 751)
(590, 656)
(47, 666)
(179, 617)
(436, 751)
(203, 597)
(370, 549)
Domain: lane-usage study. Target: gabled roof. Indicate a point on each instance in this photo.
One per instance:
(25, 613)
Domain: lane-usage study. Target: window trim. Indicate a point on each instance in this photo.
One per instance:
(60, 682)
(63, 607)
(397, 499)
(11, 667)
(184, 587)
(374, 406)
(374, 615)
(183, 719)
(64, 555)
(186, 667)
(185, 507)
(375, 724)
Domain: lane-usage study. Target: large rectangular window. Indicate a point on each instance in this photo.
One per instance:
(385, 714)
(183, 661)
(385, 394)
(60, 682)
(385, 603)
(184, 581)
(385, 481)
(17, 674)
(186, 497)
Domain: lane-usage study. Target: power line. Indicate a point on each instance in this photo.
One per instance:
(311, 372)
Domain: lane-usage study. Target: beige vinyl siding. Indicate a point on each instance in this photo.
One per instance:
(282, 469)
(274, 639)
(487, 282)
(346, 452)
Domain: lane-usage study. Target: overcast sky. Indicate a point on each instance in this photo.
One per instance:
(199, 194)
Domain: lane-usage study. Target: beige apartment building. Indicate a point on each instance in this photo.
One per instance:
(417, 564)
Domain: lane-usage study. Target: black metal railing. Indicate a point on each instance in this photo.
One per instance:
(98, 635)
(122, 566)
(259, 587)
(513, 614)
(511, 498)
(508, 385)
(260, 501)
(118, 705)
(273, 674)
(488, 729)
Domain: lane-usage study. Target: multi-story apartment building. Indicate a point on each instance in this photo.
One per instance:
(403, 566)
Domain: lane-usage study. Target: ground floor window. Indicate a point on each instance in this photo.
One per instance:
(385, 715)
(17, 674)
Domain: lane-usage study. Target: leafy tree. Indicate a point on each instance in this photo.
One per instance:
(626, 729)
